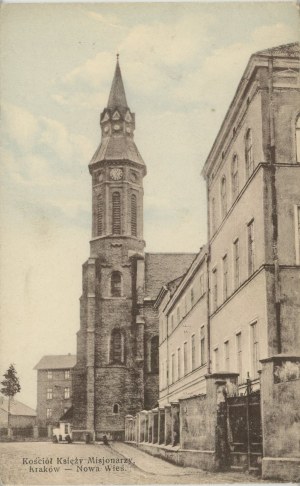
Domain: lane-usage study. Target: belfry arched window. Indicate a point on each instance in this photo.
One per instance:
(249, 153)
(223, 197)
(117, 346)
(116, 408)
(298, 138)
(133, 215)
(234, 176)
(99, 215)
(116, 213)
(116, 284)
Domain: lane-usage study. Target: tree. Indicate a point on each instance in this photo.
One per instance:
(10, 386)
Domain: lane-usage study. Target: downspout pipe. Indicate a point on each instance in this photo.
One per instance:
(274, 214)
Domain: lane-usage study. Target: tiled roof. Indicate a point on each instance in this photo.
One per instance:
(117, 147)
(286, 50)
(162, 268)
(16, 407)
(56, 362)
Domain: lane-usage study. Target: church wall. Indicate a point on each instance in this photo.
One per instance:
(151, 377)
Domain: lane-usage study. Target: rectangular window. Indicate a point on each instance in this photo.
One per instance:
(67, 392)
(178, 364)
(215, 289)
(236, 263)
(49, 412)
(49, 374)
(239, 356)
(251, 247)
(172, 322)
(178, 314)
(192, 298)
(172, 368)
(185, 305)
(213, 215)
(201, 280)
(226, 355)
(49, 393)
(67, 374)
(216, 359)
(225, 277)
(202, 346)
(193, 343)
(185, 358)
(297, 231)
(255, 349)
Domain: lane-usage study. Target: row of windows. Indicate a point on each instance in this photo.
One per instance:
(50, 393)
(235, 183)
(236, 268)
(185, 304)
(116, 214)
(50, 374)
(115, 410)
(228, 355)
(249, 168)
(185, 360)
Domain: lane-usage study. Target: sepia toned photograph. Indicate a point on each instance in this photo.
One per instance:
(150, 243)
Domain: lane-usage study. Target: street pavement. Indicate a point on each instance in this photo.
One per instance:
(31, 463)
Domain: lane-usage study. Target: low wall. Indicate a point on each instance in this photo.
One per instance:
(187, 432)
(187, 458)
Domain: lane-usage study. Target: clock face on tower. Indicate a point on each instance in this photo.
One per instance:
(116, 174)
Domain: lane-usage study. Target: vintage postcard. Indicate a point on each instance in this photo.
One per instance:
(150, 243)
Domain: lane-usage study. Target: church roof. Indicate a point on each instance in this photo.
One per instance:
(117, 97)
(286, 50)
(162, 268)
(117, 148)
(16, 407)
(56, 362)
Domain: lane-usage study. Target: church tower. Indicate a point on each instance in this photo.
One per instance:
(109, 375)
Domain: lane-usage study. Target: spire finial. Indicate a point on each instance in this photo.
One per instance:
(118, 55)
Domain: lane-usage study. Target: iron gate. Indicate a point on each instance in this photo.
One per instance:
(244, 430)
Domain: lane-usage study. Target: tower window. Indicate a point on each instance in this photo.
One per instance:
(117, 346)
(249, 153)
(99, 216)
(116, 284)
(116, 408)
(133, 215)
(116, 213)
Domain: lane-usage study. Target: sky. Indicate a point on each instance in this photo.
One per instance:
(181, 64)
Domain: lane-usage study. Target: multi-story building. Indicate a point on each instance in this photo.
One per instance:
(253, 195)
(215, 407)
(54, 387)
(182, 308)
(117, 345)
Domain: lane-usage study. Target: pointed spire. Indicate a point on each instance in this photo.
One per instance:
(117, 97)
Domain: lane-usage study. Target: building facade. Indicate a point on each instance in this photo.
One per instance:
(183, 346)
(229, 350)
(54, 387)
(253, 196)
(117, 345)
(20, 415)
